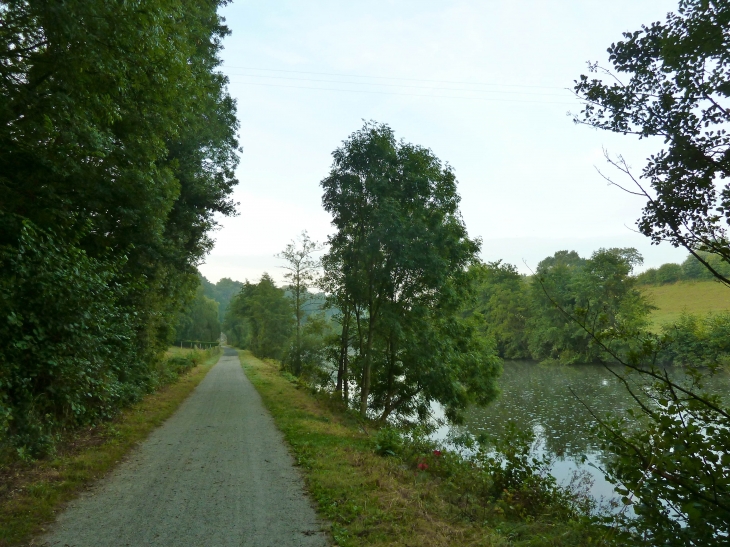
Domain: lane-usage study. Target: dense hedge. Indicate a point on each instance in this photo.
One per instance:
(117, 148)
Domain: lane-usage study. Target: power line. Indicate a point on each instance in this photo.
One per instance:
(388, 77)
(396, 85)
(404, 94)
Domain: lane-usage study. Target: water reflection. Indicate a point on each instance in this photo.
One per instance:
(539, 398)
(551, 401)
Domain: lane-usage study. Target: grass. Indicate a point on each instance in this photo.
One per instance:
(696, 297)
(381, 501)
(32, 493)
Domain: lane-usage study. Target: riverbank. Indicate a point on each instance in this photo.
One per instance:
(31, 493)
(407, 499)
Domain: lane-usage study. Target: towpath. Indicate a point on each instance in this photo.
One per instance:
(217, 473)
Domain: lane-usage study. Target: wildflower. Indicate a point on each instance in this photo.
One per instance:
(437, 453)
(423, 466)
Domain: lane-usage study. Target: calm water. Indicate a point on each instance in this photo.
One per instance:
(538, 398)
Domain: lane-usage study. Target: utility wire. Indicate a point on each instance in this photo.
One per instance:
(396, 85)
(387, 77)
(403, 94)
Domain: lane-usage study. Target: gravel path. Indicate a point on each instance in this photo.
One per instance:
(217, 473)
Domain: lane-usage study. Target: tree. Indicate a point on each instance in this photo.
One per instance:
(398, 263)
(672, 80)
(504, 308)
(222, 292)
(261, 319)
(670, 460)
(118, 144)
(599, 290)
(302, 275)
(200, 321)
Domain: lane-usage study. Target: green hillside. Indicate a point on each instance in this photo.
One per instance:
(697, 297)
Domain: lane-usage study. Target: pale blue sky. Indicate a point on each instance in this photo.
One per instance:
(483, 84)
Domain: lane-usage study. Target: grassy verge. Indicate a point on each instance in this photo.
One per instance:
(375, 500)
(31, 493)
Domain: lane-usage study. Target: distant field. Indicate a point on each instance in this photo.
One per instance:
(697, 297)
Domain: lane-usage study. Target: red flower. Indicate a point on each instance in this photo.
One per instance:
(437, 453)
(423, 466)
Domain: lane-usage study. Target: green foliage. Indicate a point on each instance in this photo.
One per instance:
(669, 460)
(260, 318)
(598, 292)
(504, 307)
(388, 441)
(313, 350)
(690, 270)
(222, 292)
(68, 356)
(301, 274)
(397, 267)
(200, 320)
(507, 476)
(697, 341)
(117, 148)
(671, 80)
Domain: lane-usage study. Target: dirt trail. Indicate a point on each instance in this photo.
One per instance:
(215, 474)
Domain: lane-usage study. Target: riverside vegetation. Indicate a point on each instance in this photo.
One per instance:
(470, 316)
(110, 178)
(381, 487)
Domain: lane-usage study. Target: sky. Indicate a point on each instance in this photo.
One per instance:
(484, 84)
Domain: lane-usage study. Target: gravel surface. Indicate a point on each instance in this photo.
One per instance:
(217, 473)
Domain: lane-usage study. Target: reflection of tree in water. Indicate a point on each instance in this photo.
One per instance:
(538, 398)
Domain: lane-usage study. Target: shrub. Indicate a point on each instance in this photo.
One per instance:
(388, 441)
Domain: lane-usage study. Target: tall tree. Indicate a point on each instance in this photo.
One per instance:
(600, 291)
(118, 144)
(402, 252)
(301, 273)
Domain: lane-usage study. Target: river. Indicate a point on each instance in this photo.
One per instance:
(538, 398)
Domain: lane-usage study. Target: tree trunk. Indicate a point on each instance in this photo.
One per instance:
(344, 346)
(365, 389)
(298, 357)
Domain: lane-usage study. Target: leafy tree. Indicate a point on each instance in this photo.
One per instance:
(504, 307)
(668, 273)
(301, 273)
(671, 80)
(222, 292)
(600, 291)
(117, 140)
(67, 358)
(398, 263)
(261, 319)
(200, 321)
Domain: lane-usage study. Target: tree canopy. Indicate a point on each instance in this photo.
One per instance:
(398, 264)
(117, 146)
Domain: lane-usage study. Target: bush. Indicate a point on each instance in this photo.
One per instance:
(388, 441)
(66, 357)
(668, 273)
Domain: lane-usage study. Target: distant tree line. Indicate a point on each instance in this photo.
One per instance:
(692, 269)
(117, 148)
(531, 317)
